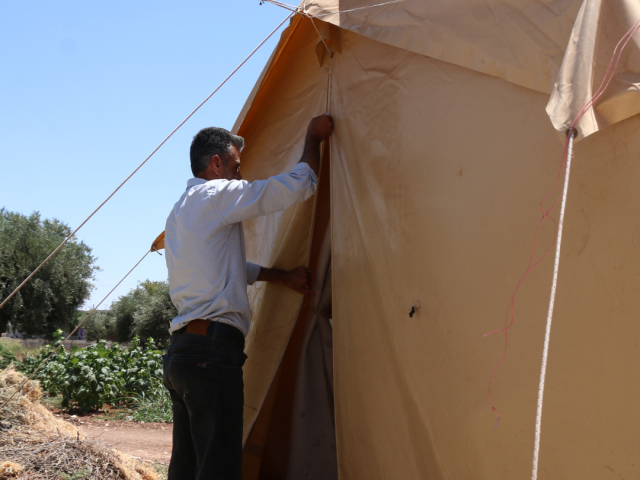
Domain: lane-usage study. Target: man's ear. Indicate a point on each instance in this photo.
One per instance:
(216, 164)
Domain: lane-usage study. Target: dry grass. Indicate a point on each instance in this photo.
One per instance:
(20, 348)
(25, 408)
(36, 445)
(10, 469)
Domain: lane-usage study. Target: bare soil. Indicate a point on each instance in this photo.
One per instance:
(150, 442)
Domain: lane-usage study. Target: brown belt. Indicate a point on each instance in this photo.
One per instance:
(212, 328)
(198, 327)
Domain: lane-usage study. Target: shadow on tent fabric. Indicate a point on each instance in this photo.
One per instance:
(294, 434)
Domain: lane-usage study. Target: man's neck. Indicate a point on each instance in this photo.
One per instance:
(207, 177)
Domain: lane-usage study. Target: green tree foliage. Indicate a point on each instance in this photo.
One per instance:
(123, 311)
(100, 326)
(153, 317)
(48, 301)
(146, 312)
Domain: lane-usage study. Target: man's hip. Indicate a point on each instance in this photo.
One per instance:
(214, 354)
(212, 329)
(203, 374)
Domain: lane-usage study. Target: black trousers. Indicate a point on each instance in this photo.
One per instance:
(204, 377)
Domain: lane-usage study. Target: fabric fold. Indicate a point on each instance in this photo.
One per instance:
(599, 27)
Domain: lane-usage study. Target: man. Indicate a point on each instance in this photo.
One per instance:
(208, 275)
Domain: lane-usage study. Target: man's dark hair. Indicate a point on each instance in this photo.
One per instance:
(209, 142)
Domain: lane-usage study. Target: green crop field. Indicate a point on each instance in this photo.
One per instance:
(87, 378)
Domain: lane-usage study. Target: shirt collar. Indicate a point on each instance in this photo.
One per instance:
(192, 182)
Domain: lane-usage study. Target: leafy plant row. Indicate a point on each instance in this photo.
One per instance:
(89, 377)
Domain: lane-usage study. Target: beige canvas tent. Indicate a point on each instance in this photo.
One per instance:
(429, 191)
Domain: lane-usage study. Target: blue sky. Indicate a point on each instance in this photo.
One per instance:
(88, 89)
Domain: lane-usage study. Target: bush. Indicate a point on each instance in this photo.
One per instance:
(100, 326)
(123, 311)
(6, 358)
(146, 312)
(90, 377)
(154, 405)
(154, 314)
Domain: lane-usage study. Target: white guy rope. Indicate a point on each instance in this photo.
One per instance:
(140, 166)
(547, 335)
(330, 58)
(293, 8)
(304, 12)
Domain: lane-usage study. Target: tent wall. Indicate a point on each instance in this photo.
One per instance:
(294, 434)
(437, 176)
(274, 128)
(560, 47)
(522, 41)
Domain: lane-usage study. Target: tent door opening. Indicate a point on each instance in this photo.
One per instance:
(294, 434)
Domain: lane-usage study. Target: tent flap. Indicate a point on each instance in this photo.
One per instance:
(521, 41)
(600, 25)
(274, 125)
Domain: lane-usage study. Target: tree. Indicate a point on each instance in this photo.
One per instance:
(154, 315)
(122, 311)
(48, 301)
(100, 326)
(146, 311)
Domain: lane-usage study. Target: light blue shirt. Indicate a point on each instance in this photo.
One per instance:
(204, 243)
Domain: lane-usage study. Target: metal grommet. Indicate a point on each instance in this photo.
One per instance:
(574, 131)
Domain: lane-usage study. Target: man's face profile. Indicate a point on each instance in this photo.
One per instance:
(227, 168)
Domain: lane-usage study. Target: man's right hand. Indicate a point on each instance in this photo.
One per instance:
(298, 279)
(320, 128)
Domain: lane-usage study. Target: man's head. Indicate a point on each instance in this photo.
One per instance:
(215, 154)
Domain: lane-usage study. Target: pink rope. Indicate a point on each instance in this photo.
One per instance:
(509, 318)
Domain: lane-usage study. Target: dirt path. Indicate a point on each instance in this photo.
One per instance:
(147, 441)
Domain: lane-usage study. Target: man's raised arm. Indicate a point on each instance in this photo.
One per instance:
(319, 128)
(239, 200)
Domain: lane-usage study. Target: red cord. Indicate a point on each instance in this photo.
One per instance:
(608, 76)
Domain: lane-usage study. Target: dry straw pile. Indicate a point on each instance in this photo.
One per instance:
(36, 445)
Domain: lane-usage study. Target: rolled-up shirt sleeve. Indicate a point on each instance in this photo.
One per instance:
(253, 272)
(238, 200)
